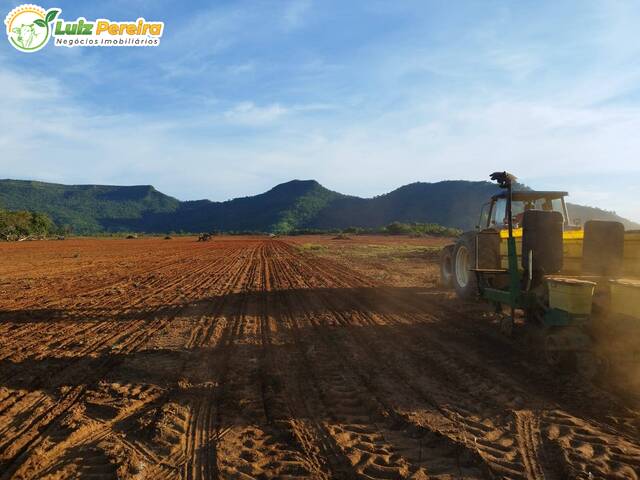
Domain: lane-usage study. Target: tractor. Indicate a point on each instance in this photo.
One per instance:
(528, 261)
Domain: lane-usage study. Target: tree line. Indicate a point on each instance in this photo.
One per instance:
(394, 228)
(25, 225)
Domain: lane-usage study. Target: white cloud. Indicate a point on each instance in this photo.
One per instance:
(247, 113)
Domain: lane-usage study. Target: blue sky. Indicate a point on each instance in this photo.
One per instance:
(363, 96)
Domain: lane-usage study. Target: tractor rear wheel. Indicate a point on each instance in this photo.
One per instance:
(446, 266)
(464, 280)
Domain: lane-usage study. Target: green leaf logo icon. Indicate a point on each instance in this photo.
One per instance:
(51, 15)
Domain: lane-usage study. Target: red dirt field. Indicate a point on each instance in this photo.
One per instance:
(254, 358)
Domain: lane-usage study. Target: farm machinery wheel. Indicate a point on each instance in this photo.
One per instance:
(446, 266)
(464, 280)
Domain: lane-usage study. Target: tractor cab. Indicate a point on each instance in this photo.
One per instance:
(494, 213)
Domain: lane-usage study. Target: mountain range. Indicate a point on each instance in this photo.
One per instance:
(294, 205)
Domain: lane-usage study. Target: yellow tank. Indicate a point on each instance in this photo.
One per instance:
(572, 250)
(571, 295)
(625, 297)
(632, 254)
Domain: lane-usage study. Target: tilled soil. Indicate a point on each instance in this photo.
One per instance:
(253, 358)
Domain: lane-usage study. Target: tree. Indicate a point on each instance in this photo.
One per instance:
(21, 225)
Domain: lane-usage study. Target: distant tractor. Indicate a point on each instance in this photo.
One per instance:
(205, 237)
(525, 256)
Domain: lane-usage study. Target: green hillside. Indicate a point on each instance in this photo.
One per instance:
(294, 205)
(87, 208)
(581, 214)
(284, 208)
(449, 203)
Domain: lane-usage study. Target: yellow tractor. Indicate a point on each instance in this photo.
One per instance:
(578, 286)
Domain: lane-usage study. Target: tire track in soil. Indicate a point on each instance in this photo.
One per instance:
(131, 302)
(500, 458)
(389, 350)
(82, 288)
(286, 422)
(447, 449)
(43, 421)
(553, 465)
(292, 370)
(16, 449)
(79, 292)
(260, 441)
(99, 342)
(285, 402)
(205, 430)
(305, 401)
(124, 283)
(204, 427)
(552, 462)
(528, 433)
(200, 436)
(200, 398)
(568, 388)
(589, 452)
